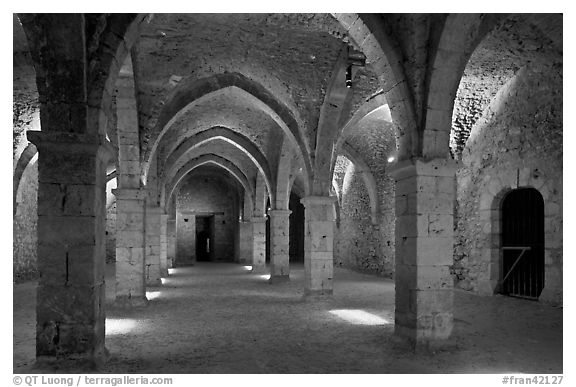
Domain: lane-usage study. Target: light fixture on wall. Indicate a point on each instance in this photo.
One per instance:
(355, 58)
(349, 76)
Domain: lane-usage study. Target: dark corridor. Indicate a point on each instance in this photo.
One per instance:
(204, 238)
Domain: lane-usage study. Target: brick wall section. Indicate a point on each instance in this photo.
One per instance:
(356, 244)
(207, 194)
(515, 42)
(519, 133)
(359, 244)
(25, 225)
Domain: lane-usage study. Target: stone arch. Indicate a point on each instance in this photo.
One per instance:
(238, 140)
(494, 191)
(368, 178)
(376, 104)
(369, 107)
(382, 53)
(283, 177)
(30, 154)
(189, 91)
(460, 35)
(219, 161)
(111, 48)
(336, 99)
(260, 197)
(127, 127)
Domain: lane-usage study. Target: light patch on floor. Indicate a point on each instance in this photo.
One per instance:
(247, 267)
(152, 295)
(120, 326)
(359, 317)
(265, 276)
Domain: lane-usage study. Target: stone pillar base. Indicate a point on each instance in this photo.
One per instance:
(487, 287)
(318, 295)
(276, 279)
(402, 338)
(318, 244)
(280, 241)
(258, 244)
(77, 362)
(425, 194)
(260, 269)
(551, 295)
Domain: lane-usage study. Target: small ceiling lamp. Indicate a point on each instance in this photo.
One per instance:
(349, 76)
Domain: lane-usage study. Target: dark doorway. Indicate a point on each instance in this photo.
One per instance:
(204, 238)
(523, 244)
(296, 248)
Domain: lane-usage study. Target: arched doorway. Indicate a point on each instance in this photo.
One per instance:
(523, 243)
(204, 238)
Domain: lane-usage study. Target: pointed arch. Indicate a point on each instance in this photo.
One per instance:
(190, 91)
(219, 161)
(368, 178)
(238, 140)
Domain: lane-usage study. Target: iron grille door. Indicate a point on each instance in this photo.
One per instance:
(523, 243)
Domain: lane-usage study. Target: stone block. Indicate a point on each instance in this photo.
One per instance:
(51, 199)
(52, 264)
(84, 267)
(424, 277)
(424, 251)
(430, 302)
(430, 203)
(129, 239)
(412, 225)
(77, 304)
(66, 230)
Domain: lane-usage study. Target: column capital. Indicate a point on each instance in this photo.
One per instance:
(424, 167)
(72, 143)
(279, 213)
(318, 200)
(258, 219)
(130, 193)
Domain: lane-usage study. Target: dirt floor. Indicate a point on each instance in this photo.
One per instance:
(219, 318)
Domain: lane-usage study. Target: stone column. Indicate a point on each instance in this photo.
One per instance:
(130, 246)
(280, 242)
(258, 244)
(153, 276)
(70, 313)
(425, 194)
(164, 245)
(171, 236)
(318, 245)
(246, 243)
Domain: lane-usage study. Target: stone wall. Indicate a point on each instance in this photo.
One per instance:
(516, 143)
(205, 194)
(360, 244)
(111, 232)
(25, 223)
